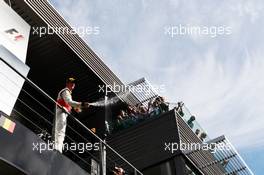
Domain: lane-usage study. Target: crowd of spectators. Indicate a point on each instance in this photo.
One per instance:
(135, 114)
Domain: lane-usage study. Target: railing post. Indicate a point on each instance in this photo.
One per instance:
(102, 145)
(103, 159)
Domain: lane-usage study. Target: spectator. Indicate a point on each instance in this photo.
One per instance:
(156, 108)
(203, 136)
(163, 105)
(179, 108)
(121, 116)
(123, 121)
(158, 100)
(118, 171)
(131, 111)
(150, 106)
(142, 113)
(142, 109)
(190, 121)
(133, 114)
(197, 132)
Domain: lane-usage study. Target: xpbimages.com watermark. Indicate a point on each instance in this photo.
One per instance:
(211, 31)
(79, 147)
(82, 31)
(212, 147)
(146, 89)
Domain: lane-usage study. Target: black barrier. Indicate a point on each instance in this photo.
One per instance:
(18, 151)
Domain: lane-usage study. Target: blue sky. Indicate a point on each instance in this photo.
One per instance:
(219, 78)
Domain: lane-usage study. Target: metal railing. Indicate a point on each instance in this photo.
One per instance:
(44, 122)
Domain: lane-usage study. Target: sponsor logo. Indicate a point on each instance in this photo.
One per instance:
(14, 35)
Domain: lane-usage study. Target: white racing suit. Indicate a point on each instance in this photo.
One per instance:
(65, 100)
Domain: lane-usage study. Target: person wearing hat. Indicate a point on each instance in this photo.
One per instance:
(63, 109)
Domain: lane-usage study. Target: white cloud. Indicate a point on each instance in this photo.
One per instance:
(225, 102)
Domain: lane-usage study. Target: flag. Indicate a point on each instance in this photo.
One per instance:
(7, 124)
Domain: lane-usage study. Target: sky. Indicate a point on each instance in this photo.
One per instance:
(219, 77)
